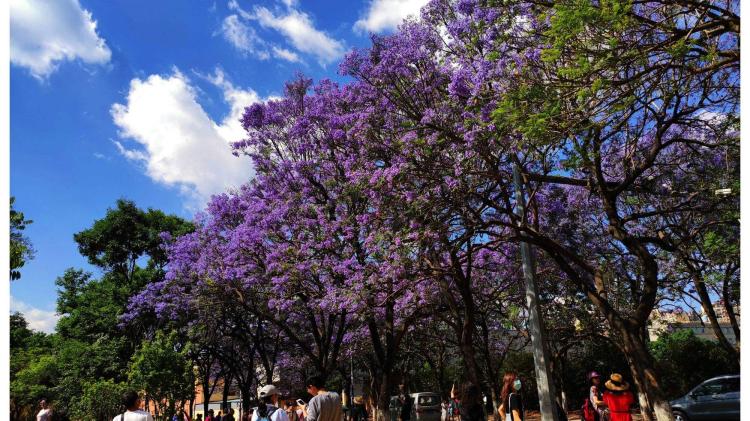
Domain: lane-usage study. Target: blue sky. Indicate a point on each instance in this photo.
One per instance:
(138, 99)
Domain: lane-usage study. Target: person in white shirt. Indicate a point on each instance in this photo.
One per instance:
(269, 407)
(132, 402)
(45, 414)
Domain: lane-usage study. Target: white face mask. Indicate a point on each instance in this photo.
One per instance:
(517, 385)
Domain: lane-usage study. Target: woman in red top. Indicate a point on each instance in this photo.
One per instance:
(618, 398)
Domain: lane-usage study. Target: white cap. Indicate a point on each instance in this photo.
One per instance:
(268, 390)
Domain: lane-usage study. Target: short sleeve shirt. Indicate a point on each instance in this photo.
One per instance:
(278, 414)
(44, 415)
(515, 403)
(134, 416)
(325, 407)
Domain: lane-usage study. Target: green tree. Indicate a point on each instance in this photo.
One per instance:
(33, 371)
(20, 246)
(685, 360)
(163, 370)
(100, 401)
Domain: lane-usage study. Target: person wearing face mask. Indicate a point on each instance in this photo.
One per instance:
(511, 408)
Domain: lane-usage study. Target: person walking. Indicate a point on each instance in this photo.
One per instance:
(324, 405)
(618, 398)
(132, 403)
(472, 408)
(454, 410)
(406, 402)
(597, 407)
(230, 415)
(45, 413)
(359, 412)
(511, 406)
(268, 409)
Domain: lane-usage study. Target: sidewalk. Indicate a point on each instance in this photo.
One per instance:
(572, 416)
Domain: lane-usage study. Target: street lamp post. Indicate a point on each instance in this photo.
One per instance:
(545, 385)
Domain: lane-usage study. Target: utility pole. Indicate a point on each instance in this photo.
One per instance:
(545, 385)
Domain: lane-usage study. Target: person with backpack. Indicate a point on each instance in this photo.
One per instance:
(268, 409)
(132, 403)
(593, 408)
(324, 405)
(511, 406)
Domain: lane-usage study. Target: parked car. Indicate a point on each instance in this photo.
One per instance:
(716, 399)
(426, 406)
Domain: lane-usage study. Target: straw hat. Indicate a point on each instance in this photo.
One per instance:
(616, 383)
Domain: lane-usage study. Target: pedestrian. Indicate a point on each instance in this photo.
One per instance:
(268, 407)
(210, 415)
(219, 417)
(596, 405)
(199, 417)
(359, 412)
(405, 402)
(618, 398)
(132, 403)
(511, 406)
(472, 408)
(230, 415)
(45, 412)
(324, 405)
(444, 410)
(455, 405)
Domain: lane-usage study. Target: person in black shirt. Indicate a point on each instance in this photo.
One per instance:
(511, 408)
(405, 401)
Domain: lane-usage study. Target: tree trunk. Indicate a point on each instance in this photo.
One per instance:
(654, 406)
(708, 308)
(206, 391)
(728, 307)
(225, 393)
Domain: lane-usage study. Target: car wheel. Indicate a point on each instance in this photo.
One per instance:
(679, 416)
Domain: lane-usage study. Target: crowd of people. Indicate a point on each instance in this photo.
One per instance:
(612, 402)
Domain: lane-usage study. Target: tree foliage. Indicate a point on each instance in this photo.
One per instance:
(21, 249)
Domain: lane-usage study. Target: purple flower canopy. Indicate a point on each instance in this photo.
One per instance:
(390, 197)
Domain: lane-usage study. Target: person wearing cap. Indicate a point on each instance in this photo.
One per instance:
(618, 398)
(268, 410)
(595, 395)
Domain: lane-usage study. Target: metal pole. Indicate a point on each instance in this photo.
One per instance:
(544, 384)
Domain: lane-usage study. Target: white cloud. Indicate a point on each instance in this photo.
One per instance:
(298, 29)
(384, 15)
(181, 145)
(285, 54)
(243, 37)
(39, 320)
(45, 32)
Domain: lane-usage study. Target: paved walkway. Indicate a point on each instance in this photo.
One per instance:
(572, 416)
